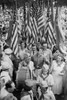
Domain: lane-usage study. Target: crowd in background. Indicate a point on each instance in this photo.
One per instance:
(37, 73)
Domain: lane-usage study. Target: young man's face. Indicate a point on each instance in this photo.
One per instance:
(45, 69)
(34, 48)
(22, 45)
(44, 46)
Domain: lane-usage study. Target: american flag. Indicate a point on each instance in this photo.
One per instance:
(19, 20)
(49, 30)
(51, 38)
(14, 41)
(41, 19)
(27, 27)
(31, 27)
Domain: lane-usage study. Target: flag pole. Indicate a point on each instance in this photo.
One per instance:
(48, 8)
(47, 18)
(24, 18)
(16, 8)
(52, 12)
(15, 11)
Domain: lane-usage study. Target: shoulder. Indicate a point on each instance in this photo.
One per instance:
(49, 50)
(50, 76)
(50, 79)
(54, 62)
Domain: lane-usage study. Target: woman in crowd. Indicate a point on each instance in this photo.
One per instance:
(57, 71)
(40, 64)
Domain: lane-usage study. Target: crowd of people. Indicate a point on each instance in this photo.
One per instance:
(36, 74)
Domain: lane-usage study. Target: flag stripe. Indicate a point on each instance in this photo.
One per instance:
(50, 36)
(14, 35)
(35, 26)
(53, 36)
(14, 43)
(32, 27)
(50, 32)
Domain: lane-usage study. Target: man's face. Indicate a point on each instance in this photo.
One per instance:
(4, 36)
(45, 69)
(40, 50)
(34, 48)
(44, 46)
(22, 45)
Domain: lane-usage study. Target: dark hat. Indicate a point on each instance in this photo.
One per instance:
(5, 46)
(4, 30)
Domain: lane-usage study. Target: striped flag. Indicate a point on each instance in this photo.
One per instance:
(31, 26)
(41, 19)
(51, 38)
(27, 28)
(14, 42)
(49, 30)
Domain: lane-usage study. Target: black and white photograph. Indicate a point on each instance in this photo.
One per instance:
(33, 49)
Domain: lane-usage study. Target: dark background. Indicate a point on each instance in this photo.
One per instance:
(10, 3)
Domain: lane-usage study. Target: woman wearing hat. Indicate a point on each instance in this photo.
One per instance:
(6, 70)
(57, 70)
(7, 58)
(7, 55)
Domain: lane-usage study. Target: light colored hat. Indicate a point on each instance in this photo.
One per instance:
(45, 44)
(5, 65)
(46, 67)
(8, 51)
(7, 59)
(44, 84)
(5, 76)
